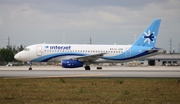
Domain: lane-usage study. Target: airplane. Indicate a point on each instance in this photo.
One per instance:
(74, 56)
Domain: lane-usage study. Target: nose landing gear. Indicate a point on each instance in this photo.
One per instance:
(30, 68)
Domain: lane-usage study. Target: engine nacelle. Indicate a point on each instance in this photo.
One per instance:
(71, 63)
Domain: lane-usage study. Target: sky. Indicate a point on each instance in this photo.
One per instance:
(30, 22)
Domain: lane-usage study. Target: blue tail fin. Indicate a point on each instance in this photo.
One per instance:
(149, 36)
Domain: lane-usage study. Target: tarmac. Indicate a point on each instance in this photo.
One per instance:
(106, 71)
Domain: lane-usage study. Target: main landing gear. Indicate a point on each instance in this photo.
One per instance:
(30, 68)
(87, 67)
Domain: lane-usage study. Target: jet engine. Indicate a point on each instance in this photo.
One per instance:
(71, 63)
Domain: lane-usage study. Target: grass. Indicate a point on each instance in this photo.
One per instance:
(90, 91)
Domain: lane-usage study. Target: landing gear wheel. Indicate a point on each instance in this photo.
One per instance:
(30, 68)
(87, 67)
(99, 68)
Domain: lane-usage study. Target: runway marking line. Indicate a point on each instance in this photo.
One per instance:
(75, 75)
(83, 75)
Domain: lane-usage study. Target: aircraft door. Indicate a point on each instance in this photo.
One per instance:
(39, 50)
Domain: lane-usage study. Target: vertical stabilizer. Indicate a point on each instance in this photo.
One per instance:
(149, 36)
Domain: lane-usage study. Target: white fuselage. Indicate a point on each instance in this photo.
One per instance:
(58, 52)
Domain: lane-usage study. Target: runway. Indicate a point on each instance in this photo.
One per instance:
(131, 72)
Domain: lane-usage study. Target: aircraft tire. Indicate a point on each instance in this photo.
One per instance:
(87, 67)
(99, 67)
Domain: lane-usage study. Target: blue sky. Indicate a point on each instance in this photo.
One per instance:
(29, 22)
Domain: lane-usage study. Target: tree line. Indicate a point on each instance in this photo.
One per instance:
(7, 54)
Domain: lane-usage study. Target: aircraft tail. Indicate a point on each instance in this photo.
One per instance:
(149, 36)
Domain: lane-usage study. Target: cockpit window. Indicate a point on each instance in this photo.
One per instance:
(26, 49)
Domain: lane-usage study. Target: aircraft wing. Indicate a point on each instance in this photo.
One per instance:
(90, 57)
(80, 58)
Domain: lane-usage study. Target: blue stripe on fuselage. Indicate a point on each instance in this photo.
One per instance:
(130, 58)
(50, 56)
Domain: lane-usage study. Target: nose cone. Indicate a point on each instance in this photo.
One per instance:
(17, 57)
(22, 56)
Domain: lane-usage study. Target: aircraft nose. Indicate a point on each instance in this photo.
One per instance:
(17, 56)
